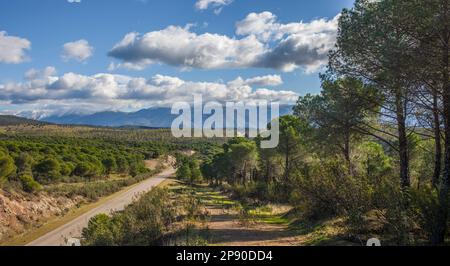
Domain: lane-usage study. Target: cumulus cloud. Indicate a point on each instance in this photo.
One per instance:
(269, 81)
(44, 90)
(218, 4)
(13, 49)
(79, 50)
(34, 74)
(298, 44)
(74, 1)
(178, 46)
(263, 43)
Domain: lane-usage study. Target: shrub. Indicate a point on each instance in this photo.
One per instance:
(142, 223)
(424, 207)
(28, 183)
(327, 191)
(7, 167)
(48, 171)
(102, 231)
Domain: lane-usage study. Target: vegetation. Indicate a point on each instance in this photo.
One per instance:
(374, 146)
(33, 161)
(188, 169)
(8, 120)
(68, 161)
(160, 217)
(371, 150)
(142, 223)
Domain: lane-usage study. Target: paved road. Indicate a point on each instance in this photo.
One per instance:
(73, 228)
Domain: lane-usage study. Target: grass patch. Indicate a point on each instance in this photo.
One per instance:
(275, 219)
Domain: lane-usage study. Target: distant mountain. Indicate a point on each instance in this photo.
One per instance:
(145, 118)
(10, 120)
(155, 117)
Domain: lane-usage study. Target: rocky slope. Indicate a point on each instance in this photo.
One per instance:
(21, 211)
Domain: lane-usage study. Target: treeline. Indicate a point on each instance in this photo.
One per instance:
(104, 133)
(30, 162)
(375, 144)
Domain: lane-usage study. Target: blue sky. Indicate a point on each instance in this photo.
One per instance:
(47, 25)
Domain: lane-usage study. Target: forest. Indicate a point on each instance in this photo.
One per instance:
(374, 146)
(32, 159)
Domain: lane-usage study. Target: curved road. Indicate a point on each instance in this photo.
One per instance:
(73, 228)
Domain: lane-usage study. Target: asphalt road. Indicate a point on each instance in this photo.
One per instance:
(73, 228)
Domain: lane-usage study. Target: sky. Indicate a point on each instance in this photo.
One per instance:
(85, 56)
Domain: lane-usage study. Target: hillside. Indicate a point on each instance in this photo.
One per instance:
(10, 120)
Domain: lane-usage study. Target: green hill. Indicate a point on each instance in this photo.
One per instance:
(10, 120)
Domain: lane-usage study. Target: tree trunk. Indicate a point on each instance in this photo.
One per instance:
(287, 162)
(347, 153)
(440, 229)
(403, 140)
(437, 137)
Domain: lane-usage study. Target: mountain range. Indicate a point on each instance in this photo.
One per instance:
(152, 118)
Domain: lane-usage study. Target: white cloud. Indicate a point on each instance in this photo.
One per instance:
(179, 46)
(259, 24)
(79, 50)
(265, 26)
(263, 43)
(45, 91)
(74, 1)
(34, 74)
(298, 44)
(269, 81)
(218, 4)
(13, 49)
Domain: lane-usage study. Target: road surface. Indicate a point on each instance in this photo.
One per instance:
(73, 228)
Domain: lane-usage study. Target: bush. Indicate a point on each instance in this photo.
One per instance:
(424, 207)
(244, 191)
(48, 171)
(47, 166)
(28, 183)
(327, 191)
(7, 167)
(142, 223)
(102, 231)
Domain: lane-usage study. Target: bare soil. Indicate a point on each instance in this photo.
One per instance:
(227, 230)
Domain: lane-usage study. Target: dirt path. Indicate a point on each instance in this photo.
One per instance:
(227, 230)
(227, 227)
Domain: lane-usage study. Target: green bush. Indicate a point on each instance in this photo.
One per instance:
(48, 171)
(142, 223)
(7, 167)
(102, 231)
(28, 183)
(424, 207)
(328, 190)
